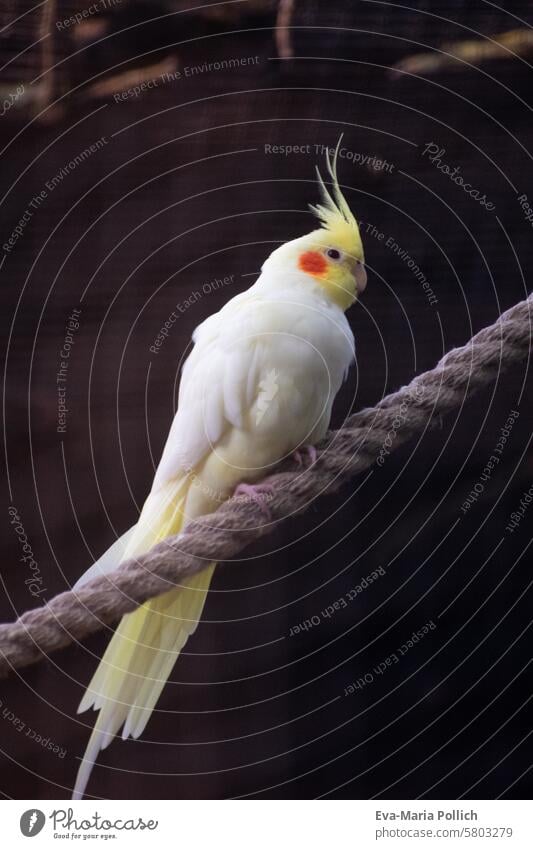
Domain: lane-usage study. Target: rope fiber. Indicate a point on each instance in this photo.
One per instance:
(223, 535)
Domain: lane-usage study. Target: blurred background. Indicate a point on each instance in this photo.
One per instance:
(153, 154)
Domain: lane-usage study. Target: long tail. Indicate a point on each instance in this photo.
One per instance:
(145, 646)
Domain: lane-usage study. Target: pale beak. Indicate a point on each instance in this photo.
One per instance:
(360, 277)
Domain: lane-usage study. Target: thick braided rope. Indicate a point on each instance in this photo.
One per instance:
(365, 439)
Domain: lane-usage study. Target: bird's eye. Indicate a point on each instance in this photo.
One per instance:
(333, 254)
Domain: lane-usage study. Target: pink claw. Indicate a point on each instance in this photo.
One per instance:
(310, 455)
(257, 494)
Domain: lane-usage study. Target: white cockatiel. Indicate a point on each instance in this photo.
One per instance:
(258, 385)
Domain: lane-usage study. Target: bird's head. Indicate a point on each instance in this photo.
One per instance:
(331, 256)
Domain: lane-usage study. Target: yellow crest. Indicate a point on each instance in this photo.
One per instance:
(334, 214)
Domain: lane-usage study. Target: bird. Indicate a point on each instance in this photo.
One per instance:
(257, 387)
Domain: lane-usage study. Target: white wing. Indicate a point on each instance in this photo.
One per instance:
(266, 367)
(217, 382)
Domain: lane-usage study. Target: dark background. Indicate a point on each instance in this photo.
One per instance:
(181, 193)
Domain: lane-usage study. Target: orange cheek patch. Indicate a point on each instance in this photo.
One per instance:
(312, 262)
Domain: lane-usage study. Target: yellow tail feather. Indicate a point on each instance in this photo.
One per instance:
(145, 646)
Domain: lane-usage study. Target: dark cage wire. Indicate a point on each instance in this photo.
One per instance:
(55, 52)
(51, 49)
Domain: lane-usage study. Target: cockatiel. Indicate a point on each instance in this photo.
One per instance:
(258, 385)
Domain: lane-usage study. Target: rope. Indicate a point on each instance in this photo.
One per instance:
(367, 437)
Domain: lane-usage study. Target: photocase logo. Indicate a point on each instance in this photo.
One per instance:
(32, 822)
(269, 390)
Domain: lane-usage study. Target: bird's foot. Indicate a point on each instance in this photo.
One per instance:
(258, 493)
(306, 456)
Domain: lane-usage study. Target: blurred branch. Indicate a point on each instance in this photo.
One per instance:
(283, 29)
(45, 86)
(132, 78)
(505, 45)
